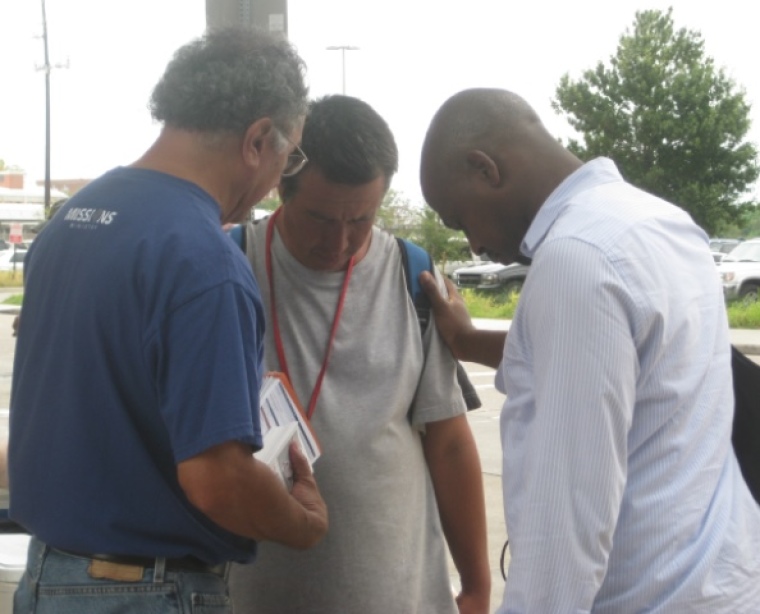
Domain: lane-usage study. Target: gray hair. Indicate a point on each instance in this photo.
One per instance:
(229, 78)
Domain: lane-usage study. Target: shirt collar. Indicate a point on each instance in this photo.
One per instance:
(595, 172)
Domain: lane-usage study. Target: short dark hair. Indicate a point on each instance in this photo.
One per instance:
(229, 78)
(347, 141)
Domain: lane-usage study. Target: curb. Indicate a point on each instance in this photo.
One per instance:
(748, 349)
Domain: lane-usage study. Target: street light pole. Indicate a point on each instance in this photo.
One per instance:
(343, 49)
(47, 68)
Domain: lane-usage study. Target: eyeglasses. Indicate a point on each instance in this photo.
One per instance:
(296, 159)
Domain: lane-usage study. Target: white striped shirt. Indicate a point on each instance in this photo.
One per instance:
(621, 489)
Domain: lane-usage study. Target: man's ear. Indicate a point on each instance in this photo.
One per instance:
(256, 140)
(484, 167)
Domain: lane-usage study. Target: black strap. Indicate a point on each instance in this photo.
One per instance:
(746, 427)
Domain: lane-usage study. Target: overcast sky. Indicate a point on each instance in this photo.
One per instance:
(412, 55)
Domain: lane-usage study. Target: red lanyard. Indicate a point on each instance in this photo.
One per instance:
(276, 325)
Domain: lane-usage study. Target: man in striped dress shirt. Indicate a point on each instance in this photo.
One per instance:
(622, 492)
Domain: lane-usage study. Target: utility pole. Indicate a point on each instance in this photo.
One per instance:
(343, 49)
(47, 68)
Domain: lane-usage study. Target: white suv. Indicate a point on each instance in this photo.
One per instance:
(740, 271)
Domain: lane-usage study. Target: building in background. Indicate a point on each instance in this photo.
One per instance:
(68, 186)
(13, 179)
(270, 15)
(22, 208)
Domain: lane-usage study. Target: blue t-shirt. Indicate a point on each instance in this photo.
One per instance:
(139, 347)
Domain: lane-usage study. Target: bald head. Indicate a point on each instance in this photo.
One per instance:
(483, 119)
(487, 156)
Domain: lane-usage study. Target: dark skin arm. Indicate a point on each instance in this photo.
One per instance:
(244, 496)
(455, 326)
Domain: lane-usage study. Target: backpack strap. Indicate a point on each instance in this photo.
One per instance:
(416, 260)
(245, 239)
(237, 232)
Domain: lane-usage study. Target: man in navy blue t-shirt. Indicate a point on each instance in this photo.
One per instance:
(134, 406)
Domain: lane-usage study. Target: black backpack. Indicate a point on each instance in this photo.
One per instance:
(746, 430)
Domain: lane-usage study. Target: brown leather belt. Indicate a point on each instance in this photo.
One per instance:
(182, 564)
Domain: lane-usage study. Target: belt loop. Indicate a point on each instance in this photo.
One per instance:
(36, 554)
(159, 570)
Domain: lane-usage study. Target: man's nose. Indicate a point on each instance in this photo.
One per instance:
(336, 236)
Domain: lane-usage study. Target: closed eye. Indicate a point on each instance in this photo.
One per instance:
(319, 217)
(365, 219)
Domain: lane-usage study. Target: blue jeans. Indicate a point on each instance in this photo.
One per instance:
(56, 582)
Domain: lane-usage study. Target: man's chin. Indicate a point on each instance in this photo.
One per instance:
(323, 262)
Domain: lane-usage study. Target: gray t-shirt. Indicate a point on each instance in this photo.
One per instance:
(385, 551)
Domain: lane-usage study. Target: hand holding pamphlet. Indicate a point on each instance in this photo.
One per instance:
(282, 421)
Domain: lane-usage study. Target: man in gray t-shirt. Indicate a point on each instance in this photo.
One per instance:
(399, 469)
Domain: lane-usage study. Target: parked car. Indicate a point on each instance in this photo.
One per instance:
(721, 247)
(449, 267)
(740, 271)
(12, 259)
(491, 276)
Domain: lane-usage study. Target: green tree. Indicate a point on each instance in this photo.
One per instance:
(443, 244)
(419, 224)
(673, 122)
(4, 166)
(746, 227)
(397, 215)
(751, 222)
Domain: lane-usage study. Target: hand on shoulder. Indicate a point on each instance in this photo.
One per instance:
(450, 312)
